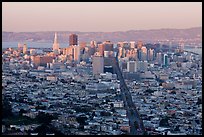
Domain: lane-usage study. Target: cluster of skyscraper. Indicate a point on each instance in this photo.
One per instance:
(73, 50)
(132, 57)
(23, 47)
(97, 50)
(135, 56)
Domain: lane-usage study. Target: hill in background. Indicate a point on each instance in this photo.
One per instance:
(188, 36)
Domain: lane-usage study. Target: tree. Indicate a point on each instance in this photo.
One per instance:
(21, 112)
(45, 118)
(104, 113)
(177, 128)
(197, 121)
(40, 107)
(149, 91)
(6, 109)
(199, 101)
(113, 110)
(47, 128)
(81, 120)
(145, 133)
(164, 122)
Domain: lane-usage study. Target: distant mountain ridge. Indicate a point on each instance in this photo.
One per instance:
(153, 35)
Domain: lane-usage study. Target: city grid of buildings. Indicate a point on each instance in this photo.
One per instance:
(81, 88)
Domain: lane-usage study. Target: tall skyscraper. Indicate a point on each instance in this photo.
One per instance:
(120, 52)
(165, 60)
(76, 53)
(55, 45)
(139, 54)
(73, 39)
(20, 47)
(144, 53)
(159, 58)
(150, 54)
(108, 46)
(98, 64)
(101, 49)
(25, 49)
(108, 49)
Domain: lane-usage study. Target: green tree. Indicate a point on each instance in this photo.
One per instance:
(6, 109)
(164, 122)
(81, 120)
(45, 118)
(21, 112)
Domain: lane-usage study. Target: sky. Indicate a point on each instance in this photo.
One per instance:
(99, 16)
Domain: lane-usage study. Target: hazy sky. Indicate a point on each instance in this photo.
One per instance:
(99, 16)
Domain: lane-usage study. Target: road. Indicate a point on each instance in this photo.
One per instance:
(132, 112)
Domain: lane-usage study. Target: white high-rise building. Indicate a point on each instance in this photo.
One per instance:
(77, 53)
(132, 66)
(159, 58)
(150, 54)
(98, 64)
(25, 48)
(55, 45)
(120, 52)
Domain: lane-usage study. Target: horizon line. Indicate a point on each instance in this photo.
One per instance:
(103, 31)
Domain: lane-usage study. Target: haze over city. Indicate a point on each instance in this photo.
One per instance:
(99, 16)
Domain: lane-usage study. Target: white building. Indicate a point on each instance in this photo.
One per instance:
(131, 66)
(56, 45)
(77, 53)
(51, 78)
(98, 64)
(25, 49)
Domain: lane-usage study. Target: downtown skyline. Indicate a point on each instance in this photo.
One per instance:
(102, 68)
(101, 89)
(99, 16)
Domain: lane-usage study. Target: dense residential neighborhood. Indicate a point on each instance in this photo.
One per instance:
(78, 98)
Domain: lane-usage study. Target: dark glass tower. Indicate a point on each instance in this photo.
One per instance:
(73, 39)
